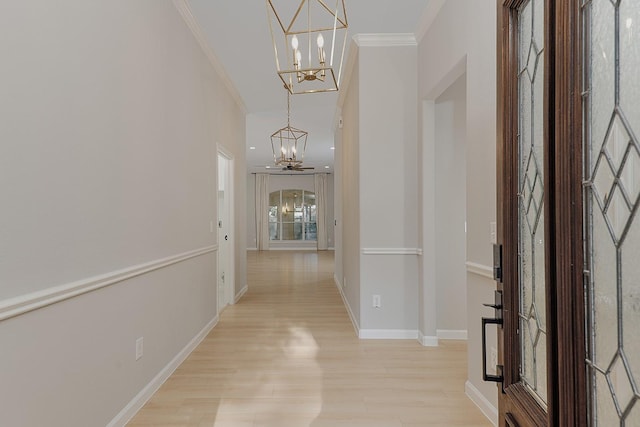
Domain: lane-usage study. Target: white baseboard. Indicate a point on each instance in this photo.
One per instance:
(252, 249)
(129, 411)
(427, 341)
(486, 407)
(388, 334)
(354, 322)
(240, 294)
(289, 248)
(451, 334)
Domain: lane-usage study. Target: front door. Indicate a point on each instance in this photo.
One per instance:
(568, 196)
(526, 213)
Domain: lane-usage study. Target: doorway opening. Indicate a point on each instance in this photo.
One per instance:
(451, 210)
(443, 310)
(226, 261)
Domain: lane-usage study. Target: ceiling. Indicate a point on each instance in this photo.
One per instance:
(237, 32)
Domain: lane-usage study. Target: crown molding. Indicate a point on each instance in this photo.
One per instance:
(187, 15)
(385, 40)
(427, 18)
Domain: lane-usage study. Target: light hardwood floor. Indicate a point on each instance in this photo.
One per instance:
(287, 356)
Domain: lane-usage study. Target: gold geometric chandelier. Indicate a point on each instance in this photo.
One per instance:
(309, 43)
(288, 144)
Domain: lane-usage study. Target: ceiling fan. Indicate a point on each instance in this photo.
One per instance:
(298, 168)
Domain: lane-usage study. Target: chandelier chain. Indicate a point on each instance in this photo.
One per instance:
(288, 109)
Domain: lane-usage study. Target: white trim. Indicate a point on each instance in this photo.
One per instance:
(35, 300)
(480, 269)
(252, 249)
(186, 13)
(427, 341)
(385, 40)
(388, 334)
(130, 410)
(293, 248)
(451, 334)
(486, 407)
(428, 17)
(391, 251)
(241, 294)
(354, 322)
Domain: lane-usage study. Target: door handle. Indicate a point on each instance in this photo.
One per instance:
(486, 377)
(496, 320)
(226, 237)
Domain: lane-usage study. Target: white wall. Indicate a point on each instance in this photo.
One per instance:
(377, 167)
(287, 182)
(388, 185)
(110, 115)
(347, 169)
(462, 39)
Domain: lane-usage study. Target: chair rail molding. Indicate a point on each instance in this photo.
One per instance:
(480, 269)
(35, 300)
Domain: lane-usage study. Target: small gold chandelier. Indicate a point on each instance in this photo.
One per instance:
(313, 27)
(288, 143)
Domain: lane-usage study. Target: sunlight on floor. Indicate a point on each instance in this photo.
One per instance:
(292, 385)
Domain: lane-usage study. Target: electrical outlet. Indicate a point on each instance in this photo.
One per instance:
(376, 301)
(494, 359)
(139, 347)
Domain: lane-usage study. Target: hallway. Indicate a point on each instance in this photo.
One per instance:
(287, 355)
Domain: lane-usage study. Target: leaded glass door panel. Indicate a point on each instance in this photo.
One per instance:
(612, 192)
(524, 219)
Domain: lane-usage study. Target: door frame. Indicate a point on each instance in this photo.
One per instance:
(566, 368)
(228, 292)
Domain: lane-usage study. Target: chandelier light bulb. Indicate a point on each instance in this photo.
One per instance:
(320, 41)
(294, 42)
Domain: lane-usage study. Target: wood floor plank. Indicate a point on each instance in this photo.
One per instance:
(287, 355)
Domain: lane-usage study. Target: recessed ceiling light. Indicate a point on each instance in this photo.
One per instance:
(326, 167)
(332, 148)
(268, 167)
(252, 148)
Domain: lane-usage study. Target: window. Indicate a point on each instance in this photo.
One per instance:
(292, 215)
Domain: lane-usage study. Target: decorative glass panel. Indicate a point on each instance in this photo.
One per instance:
(532, 307)
(612, 189)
